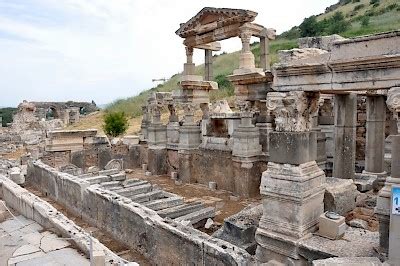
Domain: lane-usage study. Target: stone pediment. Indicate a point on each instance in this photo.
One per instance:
(210, 18)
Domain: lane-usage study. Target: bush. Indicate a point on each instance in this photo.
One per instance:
(337, 24)
(115, 123)
(365, 21)
(358, 7)
(309, 27)
(375, 3)
(356, 1)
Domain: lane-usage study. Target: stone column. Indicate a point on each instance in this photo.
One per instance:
(189, 67)
(375, 140)
(157, 140)
(264, 54)
(208, 71)
(144, 124)
(345, 136)
(172, 128)
(382, 209)
(293, 185)
(189, 141)
(1, 121)
(246, 57)
(246, 153)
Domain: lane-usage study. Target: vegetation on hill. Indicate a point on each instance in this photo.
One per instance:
(7, 115)
(348, 18)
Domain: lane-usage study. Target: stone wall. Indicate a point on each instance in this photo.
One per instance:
(32, 207)
(133, 224)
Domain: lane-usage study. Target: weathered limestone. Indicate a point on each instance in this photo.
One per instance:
(208, 72)
(340, 195)
(331, 228)
(375, 141)
(345, 135)
(383, 204)
(292, 190)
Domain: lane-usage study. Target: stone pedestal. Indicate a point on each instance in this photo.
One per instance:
(157, 135)
(246, 139)
(375, 140)
(173, 135)
(382, 209)
(345, 135)
(293, 192)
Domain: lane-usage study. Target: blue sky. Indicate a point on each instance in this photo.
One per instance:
(101, 50)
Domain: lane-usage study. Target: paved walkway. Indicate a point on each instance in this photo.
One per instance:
(24, 242)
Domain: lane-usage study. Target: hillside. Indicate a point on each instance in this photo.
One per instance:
(348, 18)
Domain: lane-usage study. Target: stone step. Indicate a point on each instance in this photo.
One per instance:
(122, 189)
(140, 182)
(130, 181)
(160, 204)
(109, 172)
(149, 196)
(118, 177)
(98, 179)
(197, 216)
(132, 191)
(181, 210)
(111, 185)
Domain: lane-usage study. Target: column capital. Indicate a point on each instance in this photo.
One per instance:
(293, 110)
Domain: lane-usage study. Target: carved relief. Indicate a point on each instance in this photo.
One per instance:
(393, 100)
(293, 110)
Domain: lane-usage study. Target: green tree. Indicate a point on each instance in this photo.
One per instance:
(337, 24)
(115, 123)
(309, 27)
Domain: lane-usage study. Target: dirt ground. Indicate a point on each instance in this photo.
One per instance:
(224, 202)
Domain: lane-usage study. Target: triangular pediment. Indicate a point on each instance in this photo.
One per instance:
(210, 15)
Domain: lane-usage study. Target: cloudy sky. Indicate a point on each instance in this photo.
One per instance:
(102, 50)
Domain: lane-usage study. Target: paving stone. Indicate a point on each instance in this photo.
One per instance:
(19, 259)
(65, 256)
(51, 242)
(13, 224)
(25, 249)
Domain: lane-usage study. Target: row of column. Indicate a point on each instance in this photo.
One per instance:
(345, 136)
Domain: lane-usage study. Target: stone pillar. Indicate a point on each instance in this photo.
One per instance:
(382, 209)
(144, 124)
(172, 128)
(345, 136)
(208, 71)
(246, 153)
(375, 140)
(189, 66)
(189, 141)
(264, 54)
(246, 57)
(157, 140)
(293, 185)
(1, 121)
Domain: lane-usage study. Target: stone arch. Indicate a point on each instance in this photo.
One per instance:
(52, 113)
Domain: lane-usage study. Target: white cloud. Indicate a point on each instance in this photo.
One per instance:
(102, 49)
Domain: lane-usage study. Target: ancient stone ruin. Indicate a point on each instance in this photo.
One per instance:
(299, 171)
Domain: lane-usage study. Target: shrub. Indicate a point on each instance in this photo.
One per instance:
(309, 27)
(337, 24)
(356, 1)
(115, 123)
(365, 21)
(358, 7)
(373, 2)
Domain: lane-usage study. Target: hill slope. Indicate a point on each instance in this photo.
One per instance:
(348, 18)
